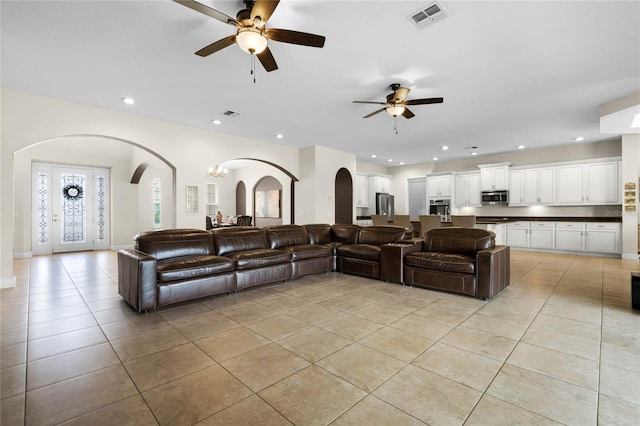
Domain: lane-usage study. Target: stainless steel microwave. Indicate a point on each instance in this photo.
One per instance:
(495, 197)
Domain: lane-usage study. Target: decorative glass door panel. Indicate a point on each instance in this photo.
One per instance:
(71, 196)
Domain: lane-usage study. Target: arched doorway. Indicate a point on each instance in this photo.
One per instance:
(267, 202)
(344, 197)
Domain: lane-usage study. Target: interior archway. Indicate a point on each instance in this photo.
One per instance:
(241, 199)
(344, 197)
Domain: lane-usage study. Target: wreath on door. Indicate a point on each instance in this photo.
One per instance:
(73, 192)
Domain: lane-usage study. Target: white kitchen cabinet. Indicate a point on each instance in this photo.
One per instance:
(591, 183)
(494, 178)
(538, 185)
(518, 234)
(570, 236)
(380, 184)
(515, 188)
(440, 186)
(602, 237)
(467, 190)
(542, 235)
(362, 191)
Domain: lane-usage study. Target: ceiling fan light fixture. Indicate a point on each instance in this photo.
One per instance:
(251, 40)
(394, 110)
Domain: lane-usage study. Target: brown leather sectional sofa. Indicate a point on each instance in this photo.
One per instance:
(170, 266)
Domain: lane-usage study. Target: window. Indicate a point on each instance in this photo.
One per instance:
(156, 203)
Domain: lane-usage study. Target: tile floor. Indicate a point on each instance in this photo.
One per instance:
(559, 346)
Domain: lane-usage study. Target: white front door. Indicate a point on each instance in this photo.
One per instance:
(70, 209)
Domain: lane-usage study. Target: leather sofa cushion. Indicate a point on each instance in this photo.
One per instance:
(182, 268)
(378, 235)
(346, 234)
(238, 239)
(360, 251)
(449, 262)
(308, 251)
(458, 240)
(173, 243)
(286, 236)
(319, 233)
(259, 257)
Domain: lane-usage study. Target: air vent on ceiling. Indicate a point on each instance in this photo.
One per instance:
(230, 113)
(428, 15)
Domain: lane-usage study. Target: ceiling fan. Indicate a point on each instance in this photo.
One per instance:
(397, 104)
(252, 34)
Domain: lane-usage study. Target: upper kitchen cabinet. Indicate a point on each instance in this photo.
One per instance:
(380, 184)
(467, 190)
(440, 185)
(494, 177)
(362, 190)
(538, 185)
(590, 183)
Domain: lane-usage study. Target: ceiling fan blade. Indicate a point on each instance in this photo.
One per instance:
(369, 102)
(407, 113)
(209, 11)
(264, 9)
(400, 94)
(424, 101)
(295, 37)
(374, 113)
(267, 60)
(216, 45)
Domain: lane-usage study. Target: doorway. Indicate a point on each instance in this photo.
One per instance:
(70, 208)
(344, 197)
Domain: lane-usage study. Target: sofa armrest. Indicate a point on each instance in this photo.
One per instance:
(392, 260)
(137, 279)
(493, 271)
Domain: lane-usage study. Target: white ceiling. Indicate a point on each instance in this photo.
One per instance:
(510, 72)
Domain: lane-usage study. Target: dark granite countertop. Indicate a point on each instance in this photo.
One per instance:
(490, 220)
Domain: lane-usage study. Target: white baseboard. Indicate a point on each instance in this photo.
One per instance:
(25, 255)
(630, 256)
(8, 282)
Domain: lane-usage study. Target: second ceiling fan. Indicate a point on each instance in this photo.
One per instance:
(252, 33)
(397, 102)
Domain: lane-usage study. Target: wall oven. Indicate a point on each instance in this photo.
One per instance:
(495, 197)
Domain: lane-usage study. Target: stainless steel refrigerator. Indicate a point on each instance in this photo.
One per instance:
(384, 204)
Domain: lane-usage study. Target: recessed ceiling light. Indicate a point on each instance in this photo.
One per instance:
(279, 136)
(373, 156)
(474, 153)
(578, 139)
(390, 160)
(520, 147)
(128, 101)
(216, 121)
(444, 148)
(435, 158)
(402, 163)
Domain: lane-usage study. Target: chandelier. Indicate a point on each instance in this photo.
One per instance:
(218, 171)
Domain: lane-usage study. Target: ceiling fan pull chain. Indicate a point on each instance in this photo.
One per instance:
(395, 124)
(253, 67)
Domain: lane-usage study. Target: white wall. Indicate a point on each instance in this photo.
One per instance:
(630, 173)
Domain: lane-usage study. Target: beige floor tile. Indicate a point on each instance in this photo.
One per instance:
(475, 371)
(621, 318)
(573, 345)
(264, 366)
(231, 343)
(546, 396)
(345, 303)
(620, 356)
(58, 313)
(148, 343)
(203, 325)
(429, 397)
(559, 365)
(182, 312)
(315, 314)
(620, 383)
(248, 313)
(568, 326)
(314, 343)
(161, 367)
(12, 380)
(195, 397)
(13, 336)
(285, 302)
(508, 313)
(132, 411)
(481, 343)
(277, 327)
(381, 313)
(132, 327)
(312, 396)
(397, 343)
(621, 337)
(71, 398)
(351, 327)
(122, 313)
(251, 411)
(226, 301)
(12, 410)
(615, 412)
(492, 411)
(444, 311)
(497, 326)
(46, 371)
(373, 411)
(422, 326)
(66, 342)
(588, 314)
(361, 366)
